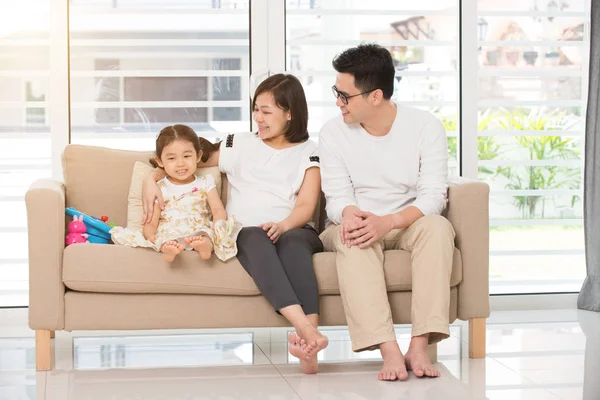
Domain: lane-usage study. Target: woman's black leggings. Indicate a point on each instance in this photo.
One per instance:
(283, 272)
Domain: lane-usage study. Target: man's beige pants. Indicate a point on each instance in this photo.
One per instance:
(363, 289)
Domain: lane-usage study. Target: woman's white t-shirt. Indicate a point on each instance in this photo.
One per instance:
(263, 182)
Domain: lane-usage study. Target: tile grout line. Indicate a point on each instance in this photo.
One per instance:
(531, 382)
(560, 397)
(280, 373)
(288, 383)
(265, 354)
(552, 394)
(277, 369)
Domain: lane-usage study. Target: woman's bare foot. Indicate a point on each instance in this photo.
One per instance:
(296, 348)
(315, 340)
(202, 244)
(417, 359)
(393, 362)
(170, 250)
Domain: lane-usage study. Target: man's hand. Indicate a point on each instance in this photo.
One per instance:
(370, 229)
(274, 230)
(349, 224)
(150, 192)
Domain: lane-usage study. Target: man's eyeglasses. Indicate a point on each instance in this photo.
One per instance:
(345, 97)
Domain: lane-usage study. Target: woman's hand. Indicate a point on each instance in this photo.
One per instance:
(274, 230)
(150, 192)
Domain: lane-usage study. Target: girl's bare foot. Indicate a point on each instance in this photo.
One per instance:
(315, 340)
(170, 250)
(296, 348)
(202, 244)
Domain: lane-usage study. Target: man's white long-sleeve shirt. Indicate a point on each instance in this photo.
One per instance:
(386, 174)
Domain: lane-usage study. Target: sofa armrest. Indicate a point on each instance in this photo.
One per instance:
(468, 212)
(45, 201)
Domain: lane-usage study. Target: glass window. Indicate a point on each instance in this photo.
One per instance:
(423, 44)
(137, 66)
(135, 70)
(532, 75)
(25, 152)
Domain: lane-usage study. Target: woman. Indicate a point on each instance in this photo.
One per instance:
(274, 188)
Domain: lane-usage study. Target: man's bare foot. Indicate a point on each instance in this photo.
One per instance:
(419, 363)
(296, 348)
(202, 244)
(170, 250)
(315, 340)
(417, 359)
(393, 362)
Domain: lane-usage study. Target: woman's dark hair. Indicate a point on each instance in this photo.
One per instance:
(172, 133)
(207, 148)
(289, 96)
(371, 65)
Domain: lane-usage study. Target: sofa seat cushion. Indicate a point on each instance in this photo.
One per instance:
(396, 267)
(120, 269)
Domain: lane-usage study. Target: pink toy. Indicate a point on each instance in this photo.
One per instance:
(77, 231)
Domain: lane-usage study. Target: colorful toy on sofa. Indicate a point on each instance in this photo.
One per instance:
(76, 229)
(97, 230)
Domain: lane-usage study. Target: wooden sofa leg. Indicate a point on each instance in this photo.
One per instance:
(477, 328)
(52, 334)
(43, 350)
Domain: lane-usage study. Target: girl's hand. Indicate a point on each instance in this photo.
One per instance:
(150, 192)
(274, 230)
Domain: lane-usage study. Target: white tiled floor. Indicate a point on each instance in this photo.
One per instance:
(531, 355)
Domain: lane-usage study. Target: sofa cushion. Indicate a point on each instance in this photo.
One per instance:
(98, 179)
(120, 269)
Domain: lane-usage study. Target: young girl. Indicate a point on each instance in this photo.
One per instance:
(274, 187)
(191, 202)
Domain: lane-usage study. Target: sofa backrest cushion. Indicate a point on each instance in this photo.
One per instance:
(97, 181)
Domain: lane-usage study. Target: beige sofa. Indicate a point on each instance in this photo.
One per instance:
(108, 287)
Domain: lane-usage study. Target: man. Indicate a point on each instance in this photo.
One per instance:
(384, 172)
